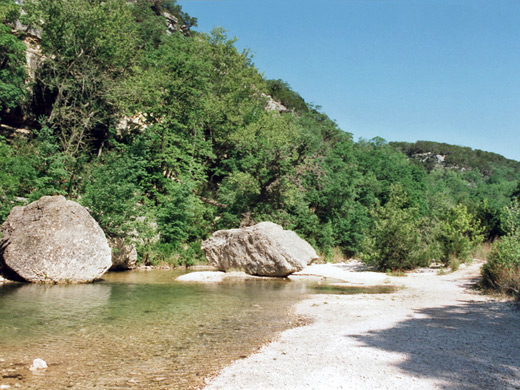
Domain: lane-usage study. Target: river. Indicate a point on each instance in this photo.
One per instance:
(140, 329)
(136, 329)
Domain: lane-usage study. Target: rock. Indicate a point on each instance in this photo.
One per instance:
(124, 256)
(53, 240)
(213, 277)
(273, 105)
(265, 249)
(38, 364)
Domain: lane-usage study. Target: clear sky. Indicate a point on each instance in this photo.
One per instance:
(404, 70)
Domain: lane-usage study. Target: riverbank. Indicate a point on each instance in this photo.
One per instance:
(437, 332)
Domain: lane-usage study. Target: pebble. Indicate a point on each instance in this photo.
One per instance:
(38, 364)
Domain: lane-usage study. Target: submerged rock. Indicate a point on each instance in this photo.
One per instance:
(213, 277)
(265, 249)
(53, 240)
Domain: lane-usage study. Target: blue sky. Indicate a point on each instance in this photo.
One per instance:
(404, 70)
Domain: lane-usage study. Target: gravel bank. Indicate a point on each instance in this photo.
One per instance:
(435, 333)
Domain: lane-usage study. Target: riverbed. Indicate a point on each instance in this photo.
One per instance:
(139, 329)
(136, 329)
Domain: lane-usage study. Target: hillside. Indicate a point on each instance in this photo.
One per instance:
(167, 134)
(435, 154)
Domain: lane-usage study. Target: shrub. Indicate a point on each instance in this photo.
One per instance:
(460, 234)
(502, 271)
(395, 242)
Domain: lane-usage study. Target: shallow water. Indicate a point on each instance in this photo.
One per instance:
(137, 330)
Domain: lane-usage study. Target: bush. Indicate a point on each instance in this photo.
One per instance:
(502, 271)
(395, 242)
(459, 236)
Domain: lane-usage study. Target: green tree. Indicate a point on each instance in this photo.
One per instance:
(460, 233)
(18, 174)
(395, 242)
(88, 47)
(280, 91)
(12, 58)
(114, 193)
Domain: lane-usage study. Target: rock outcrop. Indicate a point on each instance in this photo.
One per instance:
(265, 249)
(53, 240)
(124, 255)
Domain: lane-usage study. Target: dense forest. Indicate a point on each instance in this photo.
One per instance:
(167, 134)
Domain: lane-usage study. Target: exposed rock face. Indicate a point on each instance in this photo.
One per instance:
(33, 55)
(53, 240)
(264, 249)
(124, 256)
(273, 105)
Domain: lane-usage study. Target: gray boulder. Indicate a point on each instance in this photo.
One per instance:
(53, 240)
(265, 249)
(124, 255)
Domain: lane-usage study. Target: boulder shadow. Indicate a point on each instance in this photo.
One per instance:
(474, 345)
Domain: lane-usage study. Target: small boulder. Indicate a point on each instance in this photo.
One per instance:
(53, 240)
(124, 255)
(265, 249)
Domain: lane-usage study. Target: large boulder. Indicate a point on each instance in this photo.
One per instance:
(265, 249)
(53, 240)
(124, 255)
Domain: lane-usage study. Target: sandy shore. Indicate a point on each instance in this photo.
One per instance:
(434, 333)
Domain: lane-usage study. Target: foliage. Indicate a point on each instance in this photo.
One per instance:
(280, 91)
(502, 271)
(17, 173)
(180, 215)
(88, 46)
(114, 193)
(459, 234)
(395, 242)
(12, 58)
(457, 156)
(511, 218)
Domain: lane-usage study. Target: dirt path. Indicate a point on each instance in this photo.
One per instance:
(435, 333)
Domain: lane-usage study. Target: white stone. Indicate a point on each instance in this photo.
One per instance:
(38, 364)
(212, 276)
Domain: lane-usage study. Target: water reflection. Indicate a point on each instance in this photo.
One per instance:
(34, 311)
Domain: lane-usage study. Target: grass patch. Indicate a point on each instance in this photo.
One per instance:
(397, 273)
(351, 290)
